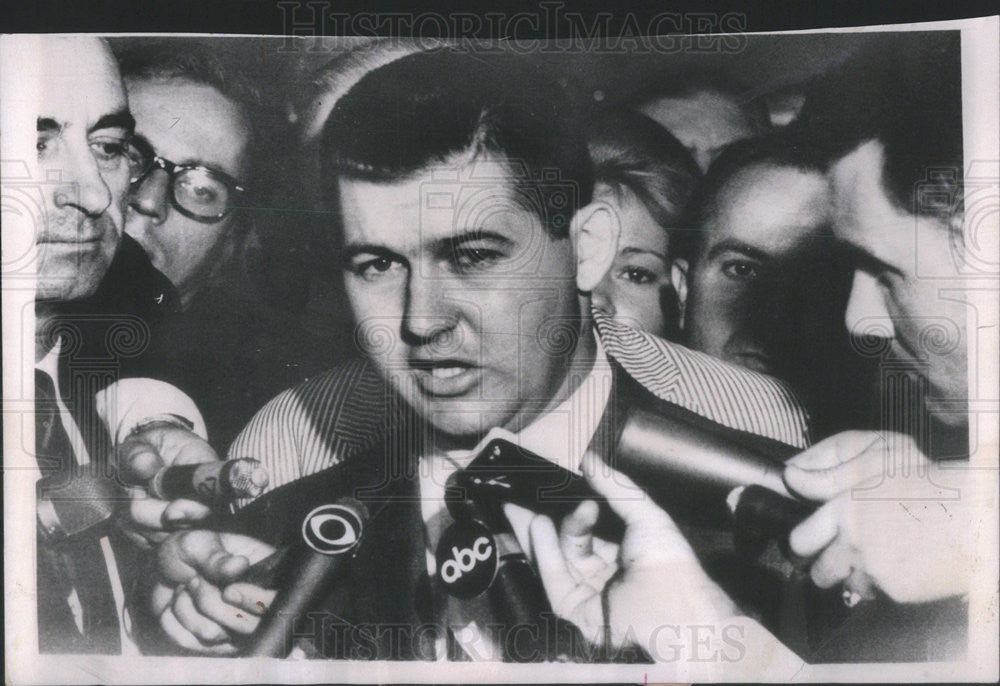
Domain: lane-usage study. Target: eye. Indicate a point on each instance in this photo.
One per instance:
(375, 268)
(637, 275)
(740, 270)
(45, 143)
(109, 150)
(204, 193)
(470, 259)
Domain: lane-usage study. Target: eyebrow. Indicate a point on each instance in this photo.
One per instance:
(733, 245)
(121, 119)
(441, 247)
(46, 124)
(447, 245)
(867, 262)
(631, 250)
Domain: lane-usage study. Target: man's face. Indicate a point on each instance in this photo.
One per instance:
(463, 300)
(188, 124)
(83, 126)
(901, 289)
(703, 122)
(765, 227)
(634, 289)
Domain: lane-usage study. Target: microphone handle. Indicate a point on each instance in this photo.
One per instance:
(762, 513)
(275, 635)
(317, 560)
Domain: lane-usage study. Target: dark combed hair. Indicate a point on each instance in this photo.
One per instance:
(632, 153)
(777, 150)
(424, 109)
(906, 94)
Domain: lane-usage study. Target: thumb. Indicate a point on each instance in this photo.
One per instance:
(138, 460)
(181, 511)
(624, 496)
(576, 537)
(828, 470)
(651, 536)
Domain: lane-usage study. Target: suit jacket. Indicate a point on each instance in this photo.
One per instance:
(104, 338)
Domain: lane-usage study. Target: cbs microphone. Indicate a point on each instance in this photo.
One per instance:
(330, 535)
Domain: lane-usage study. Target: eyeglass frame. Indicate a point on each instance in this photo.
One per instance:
(173, 170)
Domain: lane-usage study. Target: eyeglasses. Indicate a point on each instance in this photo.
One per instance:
(200, 193)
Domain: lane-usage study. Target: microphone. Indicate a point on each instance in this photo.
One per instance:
(760, 506)
(211, 483)
(330, 535)
(667, 448)
(467, 566)
(71, 505)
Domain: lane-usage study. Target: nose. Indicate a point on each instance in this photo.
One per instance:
(84, 187)
(428, 315)
(865, 305)
(149, 196)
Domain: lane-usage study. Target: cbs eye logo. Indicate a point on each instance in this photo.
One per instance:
(467, 559)
(332, 529)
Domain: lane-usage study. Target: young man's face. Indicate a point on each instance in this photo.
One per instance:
(189, 124)
(766, 225)
(461, 297)
(907, 279)
(83, 125)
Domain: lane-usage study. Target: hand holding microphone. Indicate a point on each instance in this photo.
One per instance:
(620, 593)
(661, 448)
(175, 486)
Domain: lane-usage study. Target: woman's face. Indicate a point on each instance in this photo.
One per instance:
(638, 285)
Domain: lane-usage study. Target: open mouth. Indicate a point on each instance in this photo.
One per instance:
(445, 377)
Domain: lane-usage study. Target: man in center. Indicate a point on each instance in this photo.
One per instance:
(469, 239)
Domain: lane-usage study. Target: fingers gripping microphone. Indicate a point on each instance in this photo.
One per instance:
(330, 535)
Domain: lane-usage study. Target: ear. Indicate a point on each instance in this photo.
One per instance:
(594, 232)
(678, 277)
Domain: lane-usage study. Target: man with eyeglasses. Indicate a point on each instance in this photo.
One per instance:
(193, 142)
(236, 341)
(101, 425)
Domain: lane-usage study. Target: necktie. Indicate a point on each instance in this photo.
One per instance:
(76, 563)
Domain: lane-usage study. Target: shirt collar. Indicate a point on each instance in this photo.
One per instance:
(50, 363)
(563, 434)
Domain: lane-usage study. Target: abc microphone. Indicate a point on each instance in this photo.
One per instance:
(330, 535)
(515, 591)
